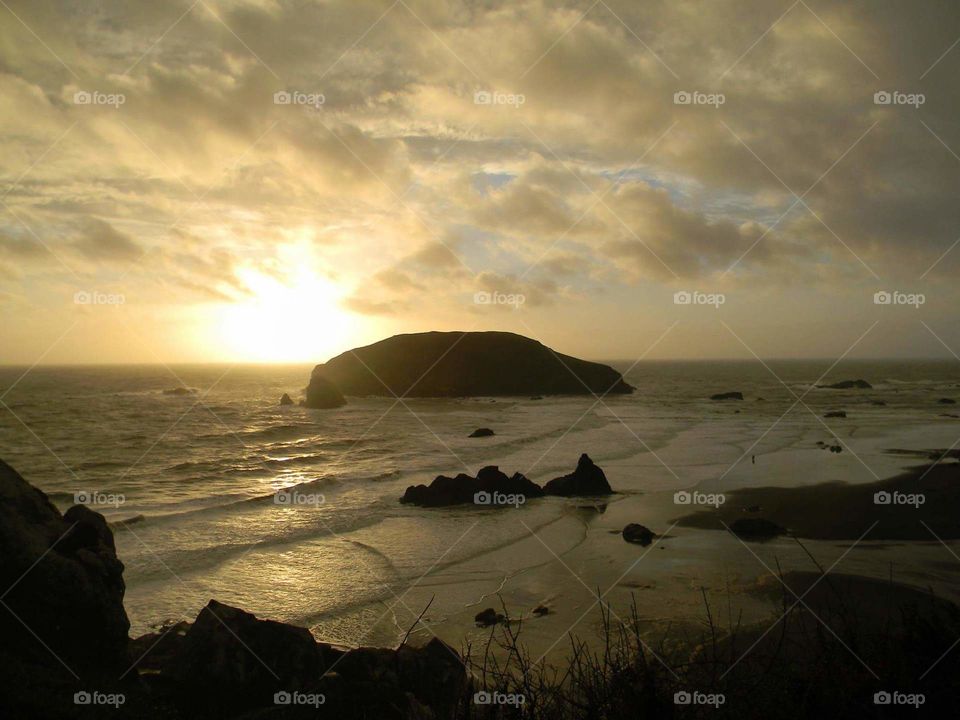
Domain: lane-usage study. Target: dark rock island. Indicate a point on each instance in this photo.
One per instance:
(458, 364)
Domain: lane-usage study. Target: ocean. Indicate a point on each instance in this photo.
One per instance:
(191, 482)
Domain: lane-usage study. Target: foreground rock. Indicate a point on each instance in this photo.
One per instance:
(488, 617)
(286, 400)
(587, 479)
(323, 394)
(482, 432)
(489, 487)
(848, 385)
(461, 364)
(735, 395)
(61, 581)
(229, 659)
(639, 534)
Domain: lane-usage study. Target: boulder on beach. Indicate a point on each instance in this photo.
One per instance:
(463, 364)
(541, 610)
(62, 583)
(639, 534)
(587, 479)
(323, 394)
(482, 432)
(734, 395)
(489, 487)
(285, 399)
(229, 660)
(847, 385)
(756, 529)
(488, 617)
(836, 414)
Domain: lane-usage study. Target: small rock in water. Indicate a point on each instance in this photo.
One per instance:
(286, 400)
(488, 617)
(482, 432)
(847, 385)
(836, 414)
(947, 401)
(727, 396)
(179, 391)
(639, 534)
(541, 610)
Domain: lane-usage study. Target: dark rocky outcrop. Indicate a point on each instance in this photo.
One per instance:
(462, 364)
(836, 414)
(62, 582)
(847, 385)
(231, 660)
(323, 394)
(488, 617)
(464, 489)
(735, 395)
(482, 432)
(756, 529)
(639, 534)
(587, 479)
(285, 399)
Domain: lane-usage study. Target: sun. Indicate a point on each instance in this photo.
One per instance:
(293, 320)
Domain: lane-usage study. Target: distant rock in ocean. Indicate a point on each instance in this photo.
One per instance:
(847, 385)
(489, 487)
(728, 396)
(180, 391)
(460, 364)
(756, 529)
(836, 414)
(495, 488)
(286, 400)
(947, 401)
(482, 432)
(587, 479)
(323, 394)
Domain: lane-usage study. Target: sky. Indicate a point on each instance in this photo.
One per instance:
(273, 180)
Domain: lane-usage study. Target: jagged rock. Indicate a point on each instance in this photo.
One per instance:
(323, 394)
(488, 617)
(735, 395)
(847, 385)
(639, 534)
(482, 432)
(464, 489)
(61, 579)
(587, 479)
(464, 364)
(286, 399)
(756, 529)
